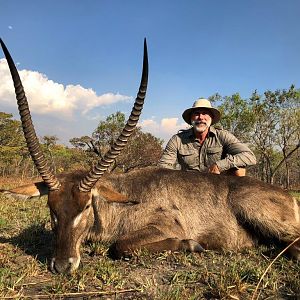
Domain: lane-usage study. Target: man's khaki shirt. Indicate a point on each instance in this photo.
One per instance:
(220, 147)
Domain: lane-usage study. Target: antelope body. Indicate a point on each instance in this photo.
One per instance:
(153, 208)
(175, 210)
(161, 209)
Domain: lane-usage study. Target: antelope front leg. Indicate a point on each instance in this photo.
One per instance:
(152, 239)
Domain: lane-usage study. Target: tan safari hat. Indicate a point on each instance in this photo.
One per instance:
(201, 103)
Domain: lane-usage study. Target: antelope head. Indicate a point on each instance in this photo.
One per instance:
(70, 203)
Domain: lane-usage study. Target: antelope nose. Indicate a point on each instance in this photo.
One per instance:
(59, 266)
(68, 265)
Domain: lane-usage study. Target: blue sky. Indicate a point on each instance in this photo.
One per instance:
(81, 60)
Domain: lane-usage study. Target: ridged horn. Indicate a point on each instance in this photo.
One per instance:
(87, 183)
(28, 128)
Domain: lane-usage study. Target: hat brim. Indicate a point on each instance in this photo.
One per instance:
(216, 115)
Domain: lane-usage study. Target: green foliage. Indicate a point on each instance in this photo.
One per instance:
(142, 149)
(49, 140)
(65, 159)
(13, 152)
(270, 123)
(276, 128)
(237, 116)
(11, 133)
(82, 142)
(108, 131)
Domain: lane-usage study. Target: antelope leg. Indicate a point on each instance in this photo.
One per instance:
(152, 239)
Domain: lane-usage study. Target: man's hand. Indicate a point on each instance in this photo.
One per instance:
(214, 169)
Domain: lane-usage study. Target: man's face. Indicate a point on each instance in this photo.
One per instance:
(201, 119)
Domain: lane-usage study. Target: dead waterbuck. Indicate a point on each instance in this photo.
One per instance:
(152, 208)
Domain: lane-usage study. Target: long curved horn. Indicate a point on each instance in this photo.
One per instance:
(28, 128)
(87, 183)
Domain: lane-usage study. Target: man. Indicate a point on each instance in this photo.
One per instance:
(204, 147)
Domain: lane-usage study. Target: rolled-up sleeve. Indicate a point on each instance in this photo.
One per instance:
(237, 154)
(169, 157)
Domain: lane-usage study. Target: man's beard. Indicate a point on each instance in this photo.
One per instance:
(201, 126)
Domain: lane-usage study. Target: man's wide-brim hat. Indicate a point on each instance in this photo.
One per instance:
(198, 104)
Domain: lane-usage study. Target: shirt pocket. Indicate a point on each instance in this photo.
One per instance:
(213, 154)
(190, 158)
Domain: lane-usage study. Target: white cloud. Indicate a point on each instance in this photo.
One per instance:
(149, 125)
(164, 128)
(49, 97)
(71, 106)
(169, 125)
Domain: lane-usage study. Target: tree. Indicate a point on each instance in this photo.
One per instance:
(276, 126)
(13, 151)
(271, 123)
(49, 142)
(237, 116)
(86, 143)
(142, 149)
(109, 130)
(288, 137)
(11, 133)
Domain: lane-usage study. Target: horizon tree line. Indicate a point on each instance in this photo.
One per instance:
(269, 123)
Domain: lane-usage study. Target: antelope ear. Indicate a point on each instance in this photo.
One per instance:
(110, 195)
(24, 192)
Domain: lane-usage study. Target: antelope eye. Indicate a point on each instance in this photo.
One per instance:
(55, 220)
(88, 206)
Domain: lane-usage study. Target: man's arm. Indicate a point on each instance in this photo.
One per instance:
(237, 154)
(169, 156)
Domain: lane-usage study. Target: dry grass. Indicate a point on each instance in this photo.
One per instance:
(25, 249)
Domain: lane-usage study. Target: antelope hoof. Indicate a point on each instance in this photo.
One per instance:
(192, 246)
(116, 252)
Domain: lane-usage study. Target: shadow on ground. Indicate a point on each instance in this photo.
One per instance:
(35, 241)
